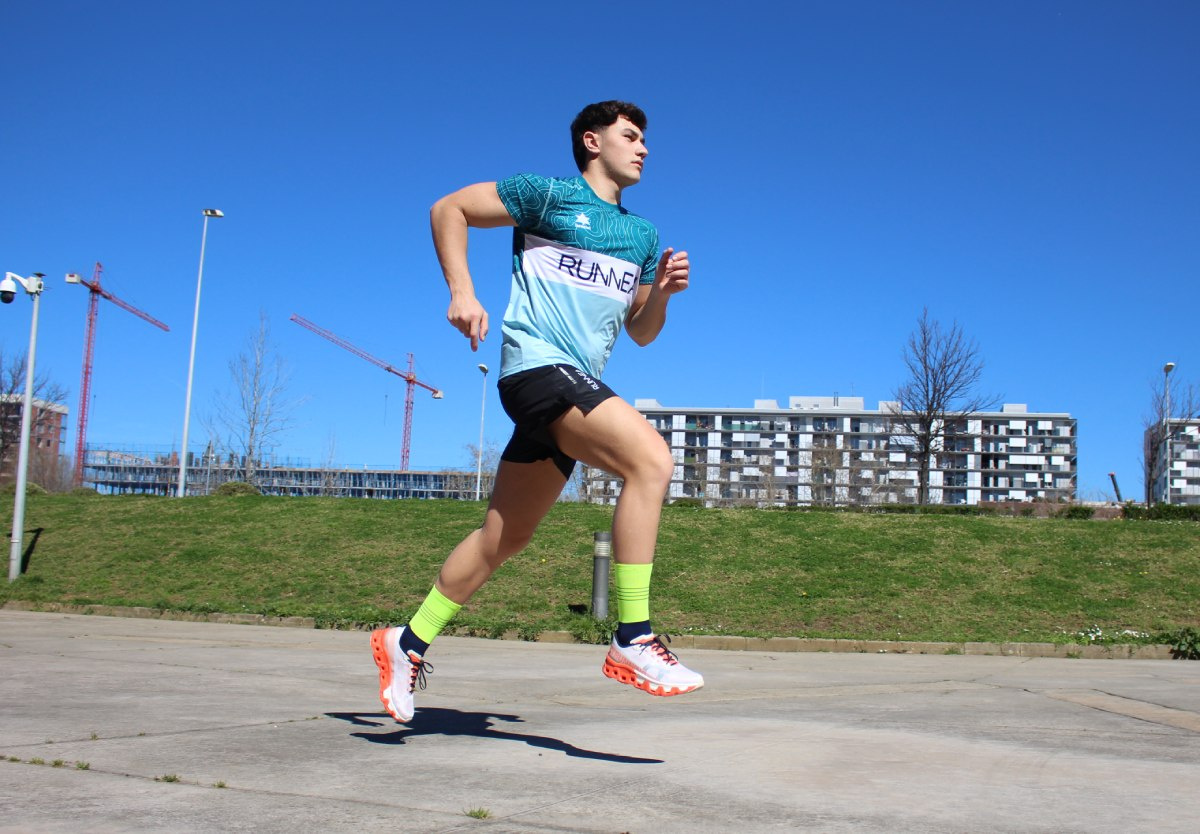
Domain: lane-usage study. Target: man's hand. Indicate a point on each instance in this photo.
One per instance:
(648, 313)
(469, 318)
(671, 275)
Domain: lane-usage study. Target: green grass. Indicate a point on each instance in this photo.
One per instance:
(744, 572)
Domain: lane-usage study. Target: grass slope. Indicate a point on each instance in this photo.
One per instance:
(745, 572)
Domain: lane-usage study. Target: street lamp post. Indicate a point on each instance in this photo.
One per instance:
(8, 290)
(479, 452)
(1167, 368)
(187, 407)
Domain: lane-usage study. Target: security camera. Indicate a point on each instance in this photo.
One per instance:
(8, 289)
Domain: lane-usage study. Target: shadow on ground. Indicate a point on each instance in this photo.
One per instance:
(436, 721)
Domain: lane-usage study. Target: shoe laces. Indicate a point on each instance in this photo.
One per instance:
(660, 650)
(416, 675)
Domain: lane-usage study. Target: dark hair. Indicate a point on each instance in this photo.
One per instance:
(597, 116)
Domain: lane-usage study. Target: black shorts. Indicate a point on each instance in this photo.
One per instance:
(534, 399)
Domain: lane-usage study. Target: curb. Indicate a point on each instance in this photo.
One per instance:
(1122, 651)
(158, 614)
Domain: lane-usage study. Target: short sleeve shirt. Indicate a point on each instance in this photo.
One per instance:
(577, 265)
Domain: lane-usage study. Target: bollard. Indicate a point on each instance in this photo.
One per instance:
(601, 556)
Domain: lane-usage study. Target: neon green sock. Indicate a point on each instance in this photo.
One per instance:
(633, 592)
(433, 615)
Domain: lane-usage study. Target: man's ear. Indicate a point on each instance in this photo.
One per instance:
(591, 141)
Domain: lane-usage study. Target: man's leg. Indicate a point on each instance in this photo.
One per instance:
(615, 437)
(523, 494)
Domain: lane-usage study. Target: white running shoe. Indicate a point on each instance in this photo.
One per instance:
(650, 666)
(399, 674)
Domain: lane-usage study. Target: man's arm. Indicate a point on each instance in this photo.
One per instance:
(479, 206)
(648, 313)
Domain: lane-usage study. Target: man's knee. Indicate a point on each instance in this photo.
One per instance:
(658, 465)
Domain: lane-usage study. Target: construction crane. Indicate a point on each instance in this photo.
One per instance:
(89, 344)
(408, 376)
(1116, 488)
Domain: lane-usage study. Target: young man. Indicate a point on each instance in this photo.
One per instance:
(583, 266)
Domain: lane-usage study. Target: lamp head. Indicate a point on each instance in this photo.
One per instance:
(1167, 368)
(483, 369)
(213, 213)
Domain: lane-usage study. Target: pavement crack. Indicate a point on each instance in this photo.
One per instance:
(1127, 707)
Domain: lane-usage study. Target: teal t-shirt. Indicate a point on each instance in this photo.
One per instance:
(577, 265)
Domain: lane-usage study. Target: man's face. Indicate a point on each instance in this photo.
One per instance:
(622, 151)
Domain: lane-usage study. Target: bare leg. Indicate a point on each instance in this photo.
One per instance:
(615, 437)
(523, 494)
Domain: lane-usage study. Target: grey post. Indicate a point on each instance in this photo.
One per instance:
(601, 556)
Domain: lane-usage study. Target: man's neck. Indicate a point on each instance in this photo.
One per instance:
(605, 187)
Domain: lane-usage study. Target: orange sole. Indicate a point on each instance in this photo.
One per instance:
(624, 674)
(379, 652)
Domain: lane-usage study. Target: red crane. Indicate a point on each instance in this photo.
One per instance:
(89, 343)
(408, 376)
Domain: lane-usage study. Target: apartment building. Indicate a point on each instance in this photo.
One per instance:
(47, 434)
(834, 451)
(1175, 457)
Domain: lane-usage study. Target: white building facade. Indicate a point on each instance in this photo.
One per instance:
(833, 451)
(1176, 456)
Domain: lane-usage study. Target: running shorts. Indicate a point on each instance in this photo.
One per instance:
(534, 399)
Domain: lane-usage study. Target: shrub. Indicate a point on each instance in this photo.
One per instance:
(1184, 643)
(30, 489)
(1162, 512)
(1077, 512)
(236, 488)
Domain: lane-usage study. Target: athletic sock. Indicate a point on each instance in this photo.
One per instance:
(410, 642)
(628, 632)
(433, 616)
(633, 601)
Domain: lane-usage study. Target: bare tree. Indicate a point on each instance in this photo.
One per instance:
(944, 369)
(485, 465)
(259, 411)
(826, 461)
(12, 399)
(328, 476)
(1185, 405)
(52, 472)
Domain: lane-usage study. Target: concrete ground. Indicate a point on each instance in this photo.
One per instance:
(160, 726)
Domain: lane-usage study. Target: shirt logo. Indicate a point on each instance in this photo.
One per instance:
(582, 221)
(580, 269)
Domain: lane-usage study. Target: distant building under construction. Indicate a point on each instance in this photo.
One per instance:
(140, 472)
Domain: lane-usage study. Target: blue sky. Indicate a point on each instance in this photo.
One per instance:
(1027, 169)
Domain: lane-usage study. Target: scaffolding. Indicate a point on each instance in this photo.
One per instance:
(142, 472)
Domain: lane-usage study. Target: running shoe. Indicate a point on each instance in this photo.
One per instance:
(649, 665)
(399, 674)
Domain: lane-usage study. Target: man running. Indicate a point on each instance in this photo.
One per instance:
(583, 267)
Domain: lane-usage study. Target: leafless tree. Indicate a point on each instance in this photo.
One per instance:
(328, 476)
(944, 369)
(826, 461)
(1185, 405)
(259, 411)
(12, 398)
(52, 472)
